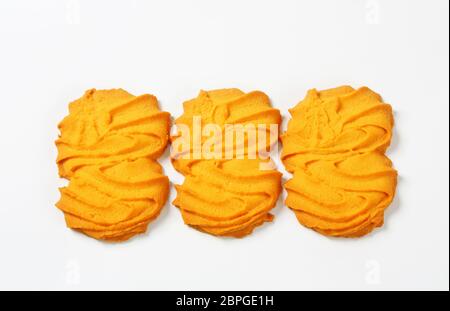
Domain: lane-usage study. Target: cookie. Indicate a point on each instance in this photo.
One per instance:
(108, 148)
(334, 146)
(230, 192)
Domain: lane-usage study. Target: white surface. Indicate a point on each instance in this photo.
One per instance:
(52, 51)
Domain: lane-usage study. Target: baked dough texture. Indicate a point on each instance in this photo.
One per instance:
(108, 148)
(334, 146)
(228, 196)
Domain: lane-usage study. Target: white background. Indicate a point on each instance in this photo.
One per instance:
(52, 51)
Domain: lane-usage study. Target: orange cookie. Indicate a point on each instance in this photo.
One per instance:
(108, 148)
(227, 192)
(334, 146)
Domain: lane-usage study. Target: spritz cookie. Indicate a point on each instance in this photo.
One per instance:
(108, 147)
(229, 187)
(334, 146)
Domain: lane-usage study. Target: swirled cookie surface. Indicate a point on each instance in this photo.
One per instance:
(334, 146)
(109, 126)
(114, 201)
(108, 148)
(227, 196)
